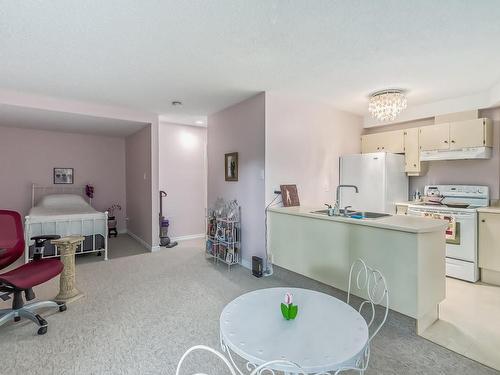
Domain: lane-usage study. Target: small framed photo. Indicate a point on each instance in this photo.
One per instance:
(231, 166)
(63, 176)
(289, 195)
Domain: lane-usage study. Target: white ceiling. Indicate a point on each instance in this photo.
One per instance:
(31, 118)
(211, 54)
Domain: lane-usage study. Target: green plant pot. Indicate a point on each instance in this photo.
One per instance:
(290, 311)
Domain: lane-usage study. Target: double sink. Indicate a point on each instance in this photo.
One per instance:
(356, 214)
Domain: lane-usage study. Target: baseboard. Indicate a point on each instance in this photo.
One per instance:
(141, 241)
(188, 237)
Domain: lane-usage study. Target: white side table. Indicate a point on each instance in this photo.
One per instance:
(327, 334)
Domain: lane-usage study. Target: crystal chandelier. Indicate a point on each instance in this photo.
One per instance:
(386, 105)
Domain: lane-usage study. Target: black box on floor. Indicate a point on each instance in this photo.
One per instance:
(257, 266)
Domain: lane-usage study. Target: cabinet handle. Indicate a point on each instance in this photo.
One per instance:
(452, 141)
(445, 141)
(483, 221)
(414, 165)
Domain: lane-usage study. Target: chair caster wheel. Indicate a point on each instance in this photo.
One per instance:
(62, 307)
(17, 319)
(42, 330)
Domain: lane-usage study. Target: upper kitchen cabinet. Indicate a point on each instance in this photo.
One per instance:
(471, 133)
(413, 166)
(457, 135)
(435, 137)
(392, 141)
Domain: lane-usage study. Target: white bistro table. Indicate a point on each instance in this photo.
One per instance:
(326, 335)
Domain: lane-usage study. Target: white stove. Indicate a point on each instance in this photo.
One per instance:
(458, 205)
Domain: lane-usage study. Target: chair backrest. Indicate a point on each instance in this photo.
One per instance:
(258, 370)
(11, 237)
(206, 349)
(373, 283)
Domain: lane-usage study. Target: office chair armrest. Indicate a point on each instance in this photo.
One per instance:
(40, 244)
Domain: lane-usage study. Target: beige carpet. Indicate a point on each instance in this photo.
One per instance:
(469, 321)
(142, 312)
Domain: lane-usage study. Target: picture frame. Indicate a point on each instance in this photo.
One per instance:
(231, 166)
(63, 176)
(289, 195)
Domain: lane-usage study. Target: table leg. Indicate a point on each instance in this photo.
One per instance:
(68, 291)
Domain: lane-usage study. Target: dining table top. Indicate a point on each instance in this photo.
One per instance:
(326, 335)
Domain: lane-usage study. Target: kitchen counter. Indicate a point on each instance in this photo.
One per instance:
(405, 203)
(494, 209)
(411, 224)
(409, 251)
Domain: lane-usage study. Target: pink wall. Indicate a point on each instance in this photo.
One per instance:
(28, 156)
(138, 184)
(468, 172)
(240, 128)
(182, 174)
(304, 139)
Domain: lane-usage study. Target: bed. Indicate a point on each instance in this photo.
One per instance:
(64, 211)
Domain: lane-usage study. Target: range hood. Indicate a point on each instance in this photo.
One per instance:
(464, 153)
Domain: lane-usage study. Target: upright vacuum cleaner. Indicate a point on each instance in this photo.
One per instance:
(164, 223)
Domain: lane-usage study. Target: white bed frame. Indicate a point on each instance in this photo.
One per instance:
(38, 192)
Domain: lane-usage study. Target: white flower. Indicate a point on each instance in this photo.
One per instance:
(288, 298)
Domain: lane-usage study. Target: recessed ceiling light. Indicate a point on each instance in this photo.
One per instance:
(176, 102)
(199, 122)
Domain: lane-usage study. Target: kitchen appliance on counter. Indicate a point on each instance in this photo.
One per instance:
(380, 178)
(458, 205)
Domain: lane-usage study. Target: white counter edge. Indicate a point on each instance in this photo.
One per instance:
(402, 223)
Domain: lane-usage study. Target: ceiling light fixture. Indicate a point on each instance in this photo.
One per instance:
(176, 102)
(386, 105)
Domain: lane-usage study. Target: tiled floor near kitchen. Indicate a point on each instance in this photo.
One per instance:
(469, 321)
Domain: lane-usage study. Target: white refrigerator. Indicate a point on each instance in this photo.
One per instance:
(380, 178)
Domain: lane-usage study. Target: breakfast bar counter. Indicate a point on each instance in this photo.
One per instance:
(409, 251)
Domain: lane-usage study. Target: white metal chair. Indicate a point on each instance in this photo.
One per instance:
(258, 370)
(207, 349)
(372, 282)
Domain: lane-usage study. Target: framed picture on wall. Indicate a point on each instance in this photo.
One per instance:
(63, 176)
(231, 166)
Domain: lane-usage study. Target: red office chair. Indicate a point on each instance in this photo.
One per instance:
(25, 277)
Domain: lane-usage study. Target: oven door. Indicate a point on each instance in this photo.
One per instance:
(464, 247)
(462, 243)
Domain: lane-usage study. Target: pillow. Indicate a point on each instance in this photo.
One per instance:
(62, 200)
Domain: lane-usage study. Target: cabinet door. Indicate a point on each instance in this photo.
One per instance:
(470, 133)
(489, 241)
(370, 143)
(393, 141)
(412, 151)
(435, 137)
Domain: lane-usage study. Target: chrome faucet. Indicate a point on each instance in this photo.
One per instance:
(336, 209)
